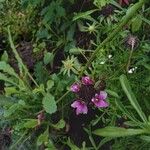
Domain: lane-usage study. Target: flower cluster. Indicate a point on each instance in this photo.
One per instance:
(87, 95)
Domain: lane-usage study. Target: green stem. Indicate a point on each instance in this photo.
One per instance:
(18, 57)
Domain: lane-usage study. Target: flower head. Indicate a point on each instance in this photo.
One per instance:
(99, 99)
(75, 87)
(81, 107)
(131, 42)
(87, 80)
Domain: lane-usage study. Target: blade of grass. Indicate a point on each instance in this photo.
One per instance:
(127, 89)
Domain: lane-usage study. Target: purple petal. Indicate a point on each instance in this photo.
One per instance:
(84, 109)
(87, 80)
(75, 104)
(75, 88)
(81, 107)
(102, 95)
(101, 104)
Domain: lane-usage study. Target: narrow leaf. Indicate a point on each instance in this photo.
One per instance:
(127, 89)
(117, 132)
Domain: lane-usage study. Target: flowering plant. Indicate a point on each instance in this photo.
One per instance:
(86, 98)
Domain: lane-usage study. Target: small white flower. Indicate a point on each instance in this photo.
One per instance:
(102, 62)
(110, 56)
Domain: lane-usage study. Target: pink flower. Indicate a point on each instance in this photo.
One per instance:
(87, 80)
(124, 2)
(99, 100)
(75, 87)
(81, 107)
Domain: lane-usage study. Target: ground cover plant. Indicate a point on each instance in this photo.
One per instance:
(74, 74)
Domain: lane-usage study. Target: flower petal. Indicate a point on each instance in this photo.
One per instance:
(101, 104)
(87, 80)
(102, 95)
(84, 109)
(75, 104)
(75, 87)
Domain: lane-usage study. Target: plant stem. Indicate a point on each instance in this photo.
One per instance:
(18, 57)
(129, 60)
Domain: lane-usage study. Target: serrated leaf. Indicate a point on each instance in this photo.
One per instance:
(117, 132)
(49, 103)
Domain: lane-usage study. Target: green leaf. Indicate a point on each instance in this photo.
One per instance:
(136, 23)
(7, 69)
(112, 93)
(117, 132)
(50, 84)
(60, 124)
(48, 58)
(12, 109)
(4, 57)
(127, 89)
(83, 14)
(43, 138)
(49, 103)
(145, 138)
(6, 79)
(31, 123)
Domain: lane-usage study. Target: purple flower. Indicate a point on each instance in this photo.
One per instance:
(99, 100)
(81, 107)
(87, 80)
(75, 87)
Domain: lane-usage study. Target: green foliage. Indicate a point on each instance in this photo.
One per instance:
(49, 103)
(70, 39)
(118, 132)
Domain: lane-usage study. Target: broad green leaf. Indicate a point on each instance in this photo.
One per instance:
(43, 138)
(50, 84)
(127, 89)
(31, 123)
(4, 57)
(49, 103)
(59, 125)
(10, 90)
(48, 58)
(117, 132)
(83, 14)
